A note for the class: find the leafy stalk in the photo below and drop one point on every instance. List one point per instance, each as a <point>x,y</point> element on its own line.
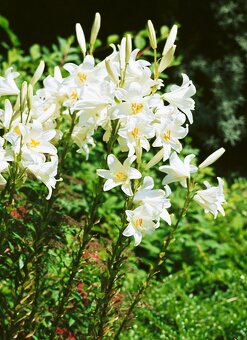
<point>162,258</point>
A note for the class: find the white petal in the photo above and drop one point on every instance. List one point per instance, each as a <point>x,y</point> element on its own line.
<point>134,173</point>
<point>104,173</point>
<point>126,187</point>
<point>109,184</point>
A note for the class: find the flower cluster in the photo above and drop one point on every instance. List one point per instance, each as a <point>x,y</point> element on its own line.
<point>125,98</point>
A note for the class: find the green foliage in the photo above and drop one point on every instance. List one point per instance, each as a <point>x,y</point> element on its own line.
<point>204,293</point>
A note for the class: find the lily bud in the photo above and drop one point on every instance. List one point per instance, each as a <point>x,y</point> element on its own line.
<point>212,158</point>
<point>94,31</point>
<point>30,96</point>
<point>110,71</point>
<point>155,160</point>
<point>167,59</point>
<point>38,73</point>
<point>122,53</point>
<point>23,94</point>
<point>81,38</point>
<point>152,35</point>
<point>128,47</point>
<point>170,40</point>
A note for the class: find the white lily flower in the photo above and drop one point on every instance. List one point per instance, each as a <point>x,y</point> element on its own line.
<point>139,222</point>
<point>178,170</point>
<point>168,133</point>
<point>46,173</point>
<point>138,71</point>
<point>119,174</point>
<point>211,199</point>
<point>8,86</point>
<point>179,96</point>
<point>82,137</point>
<point>154,200</point>
<point>133,105</point>
<point>136,133</point>
<point>84,74</point>
<point>36,140</point>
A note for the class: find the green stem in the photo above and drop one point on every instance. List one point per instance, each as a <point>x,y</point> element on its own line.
<point>64,295</point>
<point>36,257</point>
<point>113,267</point>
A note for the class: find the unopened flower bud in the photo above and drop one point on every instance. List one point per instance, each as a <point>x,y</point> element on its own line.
<point>110,71</point>
<point>152,35</point>
<point>23,96</point>
<point>122,53</point>
<point>30,96</point>
<point>81,38</point>
<point>155,160</point>
<point>38,73</point>
<point>128,47</point>
<point>167,59</point>
<point>94,31</point>
<point>170,40</point>
<point>212,158</point>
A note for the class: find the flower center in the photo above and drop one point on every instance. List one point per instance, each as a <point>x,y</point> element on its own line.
<point>82,76</point>
<point>135,132</point>
<point>136,108</point>
<point>121,176</point>
<point>138,222</point>
<point>34,143</point>
<point>74,95</point>
<point>167,136</point>
<point>17,130</point>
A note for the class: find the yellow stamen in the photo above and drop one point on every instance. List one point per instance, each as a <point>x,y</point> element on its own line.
<point>74,95</point>
<point>34,143</point>
<point>167,135</point>
<point>121,176</point>
<point>135,132</point>
<point>82,76</point>
<point>136,108</point>
<point>17,130</point>
<point>138,222</point>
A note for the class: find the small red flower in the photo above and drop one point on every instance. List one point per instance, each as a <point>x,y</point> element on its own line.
<point>15,214</point>
<point>60,330</point>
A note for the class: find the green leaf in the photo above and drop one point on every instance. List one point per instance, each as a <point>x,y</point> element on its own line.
<point>4,23</point>
<point>164,31</point>
<point>35,51</point>
<point>112,39</point>
<point>140,42</point>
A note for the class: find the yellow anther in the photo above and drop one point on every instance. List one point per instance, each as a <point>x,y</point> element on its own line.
<point>17,130</point>
<point>138,222</point>
<point>82,76</point>
<point>167,135</point>
<point>121,176</point>
<point>74,95</point>
<point>34,143</point>
<point>136,108</point>
<point>135,132</point>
